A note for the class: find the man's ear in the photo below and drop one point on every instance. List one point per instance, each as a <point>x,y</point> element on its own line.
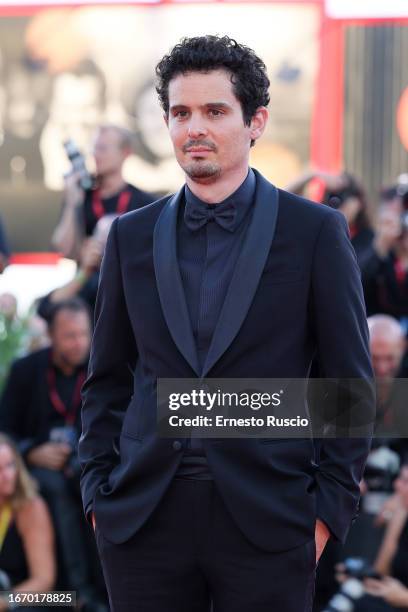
<point>258,122</point>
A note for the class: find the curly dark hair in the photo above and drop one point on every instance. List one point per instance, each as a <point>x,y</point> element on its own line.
<point>205,53</point>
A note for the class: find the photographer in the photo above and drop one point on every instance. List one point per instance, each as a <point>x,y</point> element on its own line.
<point>40,409</point>
<point>87,199</point>
<point>85,282</point>
<point>385,264</point>
<point>387,347</point>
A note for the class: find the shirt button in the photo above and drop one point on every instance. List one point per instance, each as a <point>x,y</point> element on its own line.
<point>177,445</point>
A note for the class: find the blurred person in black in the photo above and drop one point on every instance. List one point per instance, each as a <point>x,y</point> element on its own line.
<point>4,249</point>
<point>111,194</point>
<point>85,282</point>
<point>389,591</point>
<point>346,194</point>
<point>385,263</point>
<point>40,409</point>
<point>387,347</point>
<point>27,560</point>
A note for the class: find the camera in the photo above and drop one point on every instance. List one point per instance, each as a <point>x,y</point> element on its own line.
<point>77,160</point>
<point>381,469</point>
<point>356,567</point>
<point>352,589</point>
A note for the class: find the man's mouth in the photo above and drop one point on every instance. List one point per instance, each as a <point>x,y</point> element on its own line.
<point>198,148</point>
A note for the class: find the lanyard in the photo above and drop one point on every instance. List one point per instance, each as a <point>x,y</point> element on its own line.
<point>56,401</point>
<point>5,520</point>
<point>399,273</point>
<point>353,231</point>
<point>99,209</point>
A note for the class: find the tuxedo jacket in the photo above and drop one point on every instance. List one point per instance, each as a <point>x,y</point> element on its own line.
<point>295,294</point>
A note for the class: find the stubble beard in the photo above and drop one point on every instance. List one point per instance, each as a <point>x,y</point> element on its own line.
<point>202,171</point>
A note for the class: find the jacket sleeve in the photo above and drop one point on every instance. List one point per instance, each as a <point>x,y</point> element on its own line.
<point>14,405</point>
<point>109,386</point>
<point>343,354</point>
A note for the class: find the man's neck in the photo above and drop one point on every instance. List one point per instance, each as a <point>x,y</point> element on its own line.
<point>111,183</point>
<point>66,368</point>
<point>220,189</point>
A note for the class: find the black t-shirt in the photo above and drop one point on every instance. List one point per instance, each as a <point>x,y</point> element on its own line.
<point>400,560</point>
<point>12,555</point>
<point>135,198</point>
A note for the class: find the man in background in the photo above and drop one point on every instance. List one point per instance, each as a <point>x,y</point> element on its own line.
<point>110,194</point>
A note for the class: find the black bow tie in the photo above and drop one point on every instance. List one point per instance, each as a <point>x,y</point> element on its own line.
<point>196,215</point>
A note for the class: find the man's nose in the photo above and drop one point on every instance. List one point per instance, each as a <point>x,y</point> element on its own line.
<point>196,128</point>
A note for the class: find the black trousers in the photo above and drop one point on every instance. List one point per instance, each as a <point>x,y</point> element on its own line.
<point>190,556</point>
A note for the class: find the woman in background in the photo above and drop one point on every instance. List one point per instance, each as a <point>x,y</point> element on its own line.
<point>27,561</point>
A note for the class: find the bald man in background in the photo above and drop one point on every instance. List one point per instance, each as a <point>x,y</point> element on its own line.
<point>387,348</point>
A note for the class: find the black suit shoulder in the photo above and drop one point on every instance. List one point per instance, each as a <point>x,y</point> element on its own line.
<point>306,221</point>
<point>31,363</point>
<point>308,209</point>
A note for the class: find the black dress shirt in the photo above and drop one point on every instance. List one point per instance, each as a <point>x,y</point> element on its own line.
<point>207,258</point>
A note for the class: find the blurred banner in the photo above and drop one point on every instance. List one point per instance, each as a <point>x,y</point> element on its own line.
<point>366,9</point>
<point>65,70</point>
<point>57,3</point>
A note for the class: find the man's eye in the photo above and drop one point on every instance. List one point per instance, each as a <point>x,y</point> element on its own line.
<point>215,112</point>
<point>180,114</point>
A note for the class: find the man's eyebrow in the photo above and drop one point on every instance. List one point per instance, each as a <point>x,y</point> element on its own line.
<point>217,105</point>
<point>177,107</point>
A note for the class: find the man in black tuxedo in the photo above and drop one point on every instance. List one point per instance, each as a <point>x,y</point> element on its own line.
<point>229,278</point>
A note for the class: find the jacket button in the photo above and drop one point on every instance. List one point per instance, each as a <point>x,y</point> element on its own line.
<point>177,445</point>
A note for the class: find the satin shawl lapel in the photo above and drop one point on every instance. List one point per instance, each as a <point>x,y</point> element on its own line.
<point>169,283</point>
<point>248,270</point>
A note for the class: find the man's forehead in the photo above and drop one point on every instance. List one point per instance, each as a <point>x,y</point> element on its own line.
<point>383,344</point>
<point>66,316</point>
<point>197,82</point>
<point>107,135</point>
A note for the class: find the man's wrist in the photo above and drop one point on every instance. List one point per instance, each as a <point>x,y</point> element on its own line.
<point>323,528</point>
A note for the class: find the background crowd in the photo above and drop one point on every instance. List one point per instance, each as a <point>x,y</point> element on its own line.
<point>45,541</point>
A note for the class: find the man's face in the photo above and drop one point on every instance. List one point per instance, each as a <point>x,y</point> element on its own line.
<point>71,337</point>
<point>386,357</point>
<point>108,153</point>
<point>206,126</point>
